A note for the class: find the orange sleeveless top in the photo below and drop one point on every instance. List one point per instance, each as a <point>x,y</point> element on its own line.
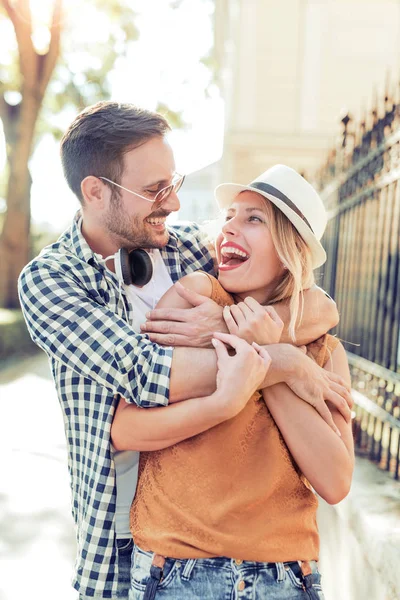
<point>231,491</point>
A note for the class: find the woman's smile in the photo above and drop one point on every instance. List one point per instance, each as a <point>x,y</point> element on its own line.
<point>232,256</point>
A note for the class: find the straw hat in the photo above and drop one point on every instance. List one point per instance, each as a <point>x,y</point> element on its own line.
<point>294,196</point>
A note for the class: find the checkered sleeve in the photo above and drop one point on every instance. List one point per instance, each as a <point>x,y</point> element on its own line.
<point>200,240</point>
<point>72,328</point>
<point>206,238</point>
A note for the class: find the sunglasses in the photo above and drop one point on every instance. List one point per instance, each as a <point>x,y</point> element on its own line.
<point>161,195</point>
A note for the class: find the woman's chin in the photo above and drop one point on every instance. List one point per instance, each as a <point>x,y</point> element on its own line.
<point>229,285</point>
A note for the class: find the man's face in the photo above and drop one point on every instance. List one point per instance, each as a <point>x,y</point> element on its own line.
<point>133,222</point>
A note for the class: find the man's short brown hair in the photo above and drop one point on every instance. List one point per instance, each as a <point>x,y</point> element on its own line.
<point>97,139</point>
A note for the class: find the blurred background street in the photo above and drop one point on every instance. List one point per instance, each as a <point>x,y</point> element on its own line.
<point>37,543</point>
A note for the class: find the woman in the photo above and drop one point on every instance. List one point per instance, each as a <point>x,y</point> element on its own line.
<point>231,513</point>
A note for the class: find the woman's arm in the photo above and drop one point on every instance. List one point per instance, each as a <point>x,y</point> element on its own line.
<point>326,459</point>
<point>197,282</point>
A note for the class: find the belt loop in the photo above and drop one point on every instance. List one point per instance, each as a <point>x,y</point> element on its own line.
<point>280,572</point>
<point>307,574</point>
<point>305,568</point>
<point>308,579</point>
<point>188,568</point>
<point>156,575</point>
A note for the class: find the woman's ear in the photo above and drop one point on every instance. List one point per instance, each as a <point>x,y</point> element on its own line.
<point>94,192</point>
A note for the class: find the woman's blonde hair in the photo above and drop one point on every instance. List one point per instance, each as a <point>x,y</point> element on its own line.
<point>295,257</point>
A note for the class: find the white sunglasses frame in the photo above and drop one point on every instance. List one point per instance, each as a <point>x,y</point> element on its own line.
<point>171,185</point>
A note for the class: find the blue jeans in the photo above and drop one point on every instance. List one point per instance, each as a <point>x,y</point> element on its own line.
<point>125,547</point>
<point>224,579</point>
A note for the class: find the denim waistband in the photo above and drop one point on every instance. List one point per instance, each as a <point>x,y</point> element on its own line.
<point>144,559</point>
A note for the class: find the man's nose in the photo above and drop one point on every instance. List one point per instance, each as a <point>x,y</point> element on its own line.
<point>172,202</point>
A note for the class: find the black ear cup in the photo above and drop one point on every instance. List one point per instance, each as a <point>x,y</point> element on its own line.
<point>123,256</point>
<point>141,267</point>
<point>136,266</point>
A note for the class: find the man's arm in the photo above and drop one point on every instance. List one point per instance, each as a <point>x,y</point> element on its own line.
<point>320,314</point>
<point>238,378</point>
<point>195,369</point>
<point>87,337</point>
<point>154,429</point>
<point>289,364</point>
<point>174,325</point>
<point>95,343</point>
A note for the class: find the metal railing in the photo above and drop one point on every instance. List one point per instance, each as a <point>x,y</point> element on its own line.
<point>360,185</point>
<point>376,426</point>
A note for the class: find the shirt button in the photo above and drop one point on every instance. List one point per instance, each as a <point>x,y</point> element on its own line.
<point>241,586</point>
<point>238,561</point>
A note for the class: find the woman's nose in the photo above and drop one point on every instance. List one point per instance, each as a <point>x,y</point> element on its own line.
<point>230,227</point>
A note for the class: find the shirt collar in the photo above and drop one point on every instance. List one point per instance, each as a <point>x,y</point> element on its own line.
<point>78,242</point>
<point>172,243</point>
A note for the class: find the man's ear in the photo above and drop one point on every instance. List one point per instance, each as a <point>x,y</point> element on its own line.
<point>94,192</point>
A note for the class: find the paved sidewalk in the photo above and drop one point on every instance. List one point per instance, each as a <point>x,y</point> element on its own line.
<point>37,538</point>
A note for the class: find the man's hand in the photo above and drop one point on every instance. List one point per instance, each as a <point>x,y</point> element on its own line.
<point>253,322</point>
<point>310,382</point>
<point>319,315</point>
<point>240,375</point>
<point>185,327</point>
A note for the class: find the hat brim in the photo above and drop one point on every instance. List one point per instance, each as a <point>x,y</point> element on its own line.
<point>225,193</point>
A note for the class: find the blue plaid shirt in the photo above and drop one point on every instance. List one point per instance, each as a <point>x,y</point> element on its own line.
<point>74,311</point>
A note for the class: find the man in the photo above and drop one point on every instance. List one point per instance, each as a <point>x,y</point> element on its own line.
<point>117,161</point>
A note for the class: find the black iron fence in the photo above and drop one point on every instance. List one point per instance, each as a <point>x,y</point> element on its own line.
<point>360,185</point>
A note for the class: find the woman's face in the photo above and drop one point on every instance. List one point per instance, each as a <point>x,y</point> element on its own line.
<point>248,262</point>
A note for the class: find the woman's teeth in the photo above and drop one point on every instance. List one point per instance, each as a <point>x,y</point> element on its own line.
<point>229,251</point>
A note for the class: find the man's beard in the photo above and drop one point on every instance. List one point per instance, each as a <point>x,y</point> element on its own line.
<point>129,232</point>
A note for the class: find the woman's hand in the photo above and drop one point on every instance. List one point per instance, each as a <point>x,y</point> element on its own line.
<point>240,375</point>
<point>253,322</point>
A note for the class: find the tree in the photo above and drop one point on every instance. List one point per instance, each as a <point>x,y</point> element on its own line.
<point>19,126</point>
<point>23,120</point>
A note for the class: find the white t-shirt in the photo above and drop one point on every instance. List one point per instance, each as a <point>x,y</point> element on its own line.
<point>127,463</point>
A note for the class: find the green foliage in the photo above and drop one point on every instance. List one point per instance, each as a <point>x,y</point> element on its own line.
<point>14,337</point>
<point>81,75</point>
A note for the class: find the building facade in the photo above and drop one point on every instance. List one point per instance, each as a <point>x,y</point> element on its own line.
<point>288,71</point>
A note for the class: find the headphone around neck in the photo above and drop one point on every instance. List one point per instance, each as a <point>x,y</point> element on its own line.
<point>133,267</point>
